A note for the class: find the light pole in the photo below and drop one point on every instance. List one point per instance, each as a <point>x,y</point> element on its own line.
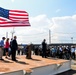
<point>12,32</point>
<point>6,34</point>
<point>49,36</point>
<point>72,39</point>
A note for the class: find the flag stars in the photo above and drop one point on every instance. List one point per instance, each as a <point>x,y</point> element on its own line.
<point>4,13</point>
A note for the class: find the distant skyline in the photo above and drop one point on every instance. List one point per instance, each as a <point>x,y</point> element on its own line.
<point>59,16</point>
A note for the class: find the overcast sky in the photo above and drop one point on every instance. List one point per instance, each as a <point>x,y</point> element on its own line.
<point>58,16</point>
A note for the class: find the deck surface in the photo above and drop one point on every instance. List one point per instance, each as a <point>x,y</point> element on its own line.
<point>26,64</point>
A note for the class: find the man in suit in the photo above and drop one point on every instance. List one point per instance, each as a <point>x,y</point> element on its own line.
<point>44,47</point>
<point>14,48</point>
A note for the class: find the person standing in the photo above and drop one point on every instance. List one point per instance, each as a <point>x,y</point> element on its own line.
<point>73,52</point>
<point>44,47</point>
<point>7,45</point>
<point>10,47</point>
<point>1,47</point>
<point>14,48</point>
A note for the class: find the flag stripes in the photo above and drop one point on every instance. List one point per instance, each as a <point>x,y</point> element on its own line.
<point>9,18</point>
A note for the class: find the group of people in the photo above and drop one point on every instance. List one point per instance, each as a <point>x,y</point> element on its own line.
<point>62,52</point>
<point>12,45</point>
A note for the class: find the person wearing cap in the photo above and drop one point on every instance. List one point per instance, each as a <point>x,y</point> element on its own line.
<point>1,47</point>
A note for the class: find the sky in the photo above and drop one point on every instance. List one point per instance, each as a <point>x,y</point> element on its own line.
<point>56,16</point>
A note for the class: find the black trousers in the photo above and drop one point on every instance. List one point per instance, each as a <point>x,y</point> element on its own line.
<point>44,54</point>
<point>13,54</point>
<point>73,55</point>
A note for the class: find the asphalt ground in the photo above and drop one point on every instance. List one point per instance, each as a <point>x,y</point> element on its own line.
<point>72,71</point>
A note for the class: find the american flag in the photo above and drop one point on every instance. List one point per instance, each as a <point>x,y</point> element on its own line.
<point>13,18</point>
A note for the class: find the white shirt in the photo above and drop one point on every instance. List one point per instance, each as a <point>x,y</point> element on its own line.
<point>60,49</point>
<point>72,50</point>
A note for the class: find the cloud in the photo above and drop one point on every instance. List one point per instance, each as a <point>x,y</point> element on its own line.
<point>58,10</point>
<point>38,30</point>
<point>34,33</point>
<point>62,29</point>
<point>12,0</point>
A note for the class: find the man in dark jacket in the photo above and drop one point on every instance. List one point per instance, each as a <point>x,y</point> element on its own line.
<point>44,47</point>
<point>14,48</point>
